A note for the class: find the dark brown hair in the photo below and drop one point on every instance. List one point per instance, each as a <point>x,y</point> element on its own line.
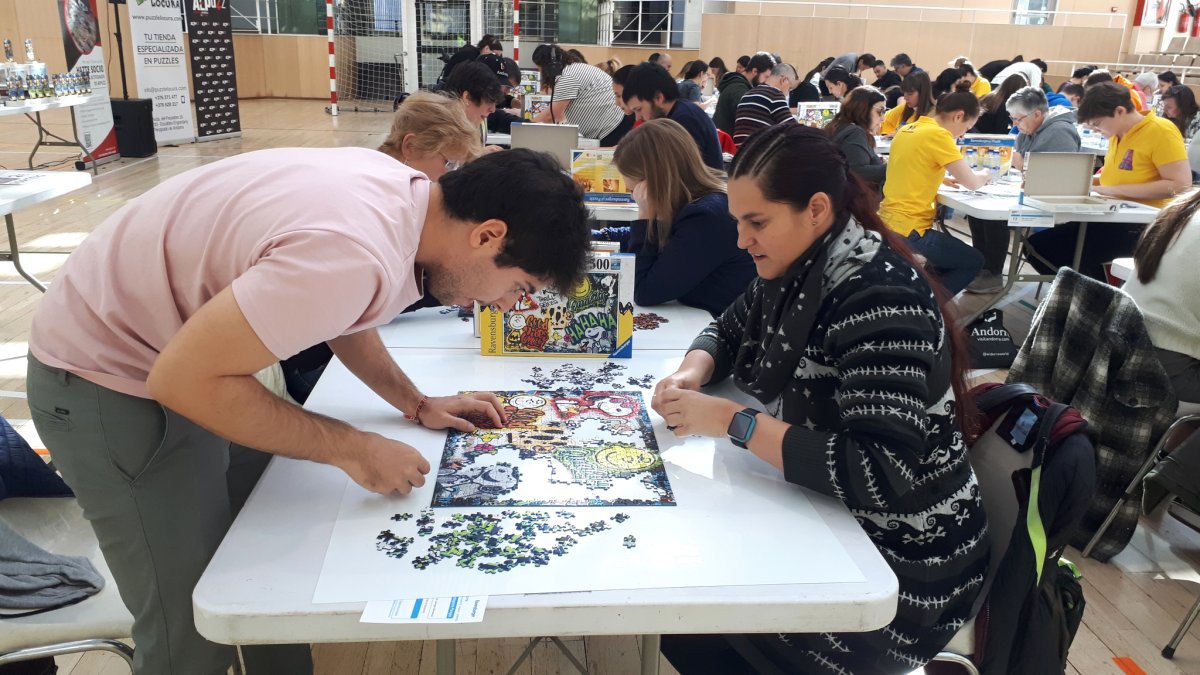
<point>918,82</point>
<point>1160,234</point>
<point>491,42</point>
<point>999,97</point>
<point>1102,100</point>
<point>856,110</point>
<point>791,163</point>
<point>1185,100</point>
<point>957,101</point>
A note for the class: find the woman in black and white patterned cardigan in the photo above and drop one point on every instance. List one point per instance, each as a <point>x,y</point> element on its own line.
<point>844,342</point>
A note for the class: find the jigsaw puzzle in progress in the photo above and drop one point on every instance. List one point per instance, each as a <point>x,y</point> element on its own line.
<point>560,448</point>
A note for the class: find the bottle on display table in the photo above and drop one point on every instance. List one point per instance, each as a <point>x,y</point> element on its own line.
<point>38,80</point>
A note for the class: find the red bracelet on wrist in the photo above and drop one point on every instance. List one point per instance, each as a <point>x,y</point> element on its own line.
<point>416,416</point>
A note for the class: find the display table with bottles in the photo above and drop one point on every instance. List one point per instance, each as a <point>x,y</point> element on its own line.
<point>29,89</point>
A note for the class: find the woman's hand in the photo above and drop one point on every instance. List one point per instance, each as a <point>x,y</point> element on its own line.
<point>690,413</point>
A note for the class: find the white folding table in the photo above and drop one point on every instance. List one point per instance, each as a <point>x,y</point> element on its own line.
<point>33,109</point>
<point>23,189</point>
<point>996,202</point>
<point>258,588</point>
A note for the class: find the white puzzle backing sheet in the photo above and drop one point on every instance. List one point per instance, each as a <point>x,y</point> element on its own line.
<point>735,521</point>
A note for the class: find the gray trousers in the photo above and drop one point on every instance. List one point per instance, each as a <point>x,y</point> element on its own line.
<point>160,493</point>
<point>1184,372</point>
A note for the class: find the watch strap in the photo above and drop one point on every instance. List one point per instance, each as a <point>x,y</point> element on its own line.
<point>744,440</point>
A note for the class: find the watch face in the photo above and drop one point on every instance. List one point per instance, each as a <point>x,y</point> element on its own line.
<point>740,425</point>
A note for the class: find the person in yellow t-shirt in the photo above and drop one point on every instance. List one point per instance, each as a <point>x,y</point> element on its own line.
<point>979,86</point>
<point>921,154</point>
<point>1146,162</point>
<point>917,90</point>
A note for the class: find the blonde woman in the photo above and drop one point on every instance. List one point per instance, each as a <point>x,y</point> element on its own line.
<point>610,66</point>
<point>685,240</point>
<point>431,134</point>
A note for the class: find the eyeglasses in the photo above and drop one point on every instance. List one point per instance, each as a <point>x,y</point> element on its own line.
<point>451,164</point>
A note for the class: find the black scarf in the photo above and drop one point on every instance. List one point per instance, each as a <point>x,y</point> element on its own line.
<point>779,320</point>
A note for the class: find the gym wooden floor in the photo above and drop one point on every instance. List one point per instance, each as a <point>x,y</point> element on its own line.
<point>1134,604</point>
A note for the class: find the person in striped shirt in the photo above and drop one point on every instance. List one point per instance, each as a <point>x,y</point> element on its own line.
<point>765,105</point>
<point>581,94</point>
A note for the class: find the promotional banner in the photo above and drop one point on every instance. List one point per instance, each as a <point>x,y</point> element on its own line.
<point>158,60</point>
<point>81,40</point>
<point>211,39</point>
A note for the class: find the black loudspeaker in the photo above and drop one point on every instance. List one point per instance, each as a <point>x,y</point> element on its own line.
<point>133,120</point>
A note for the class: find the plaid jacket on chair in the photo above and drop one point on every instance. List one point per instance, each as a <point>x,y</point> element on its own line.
<point>1088,347</point>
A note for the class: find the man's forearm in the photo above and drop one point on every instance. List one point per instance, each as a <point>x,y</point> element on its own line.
<point>239,409</point>
<point>366,357</point>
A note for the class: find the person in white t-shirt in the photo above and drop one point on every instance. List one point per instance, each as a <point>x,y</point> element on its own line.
<point>1031,70</point>
<point>1166,288</point>
<point>142,353</point>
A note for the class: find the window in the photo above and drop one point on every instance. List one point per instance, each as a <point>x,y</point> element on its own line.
<point>1034,12</point>
<point>539,20</point>
<point>641,22</point>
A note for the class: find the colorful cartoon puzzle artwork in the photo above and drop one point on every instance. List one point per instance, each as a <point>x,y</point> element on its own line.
<point>594,319</point>
<point>817,115</point>
<point>566,448</point>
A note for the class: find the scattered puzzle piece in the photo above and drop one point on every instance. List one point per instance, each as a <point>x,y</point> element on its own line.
<point>630,541</point>
<point>391,545</point>
<point>648,321</point>
<point>494,543</point>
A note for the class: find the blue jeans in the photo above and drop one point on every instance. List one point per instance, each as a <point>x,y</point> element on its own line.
<point>954,263</point>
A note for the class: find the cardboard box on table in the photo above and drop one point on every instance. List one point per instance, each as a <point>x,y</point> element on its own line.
<point>1061,182</point>
<point>992,152</point>
<point>593,320</point>
<point>602,183</point>
<point>817,115</point>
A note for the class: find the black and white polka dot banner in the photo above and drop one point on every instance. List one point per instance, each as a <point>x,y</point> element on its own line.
<point>214,81</point>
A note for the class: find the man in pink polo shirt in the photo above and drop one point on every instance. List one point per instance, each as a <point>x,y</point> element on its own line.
<point>143,351</point>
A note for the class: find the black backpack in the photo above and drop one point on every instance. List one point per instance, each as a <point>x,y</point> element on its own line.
<point>1032,602</point>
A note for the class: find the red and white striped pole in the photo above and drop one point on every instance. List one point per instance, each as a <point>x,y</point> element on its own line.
<point>332,63</point>
<point>517,30</point>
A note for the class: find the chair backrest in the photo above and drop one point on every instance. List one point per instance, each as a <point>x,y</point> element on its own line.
<point>1088,347</point>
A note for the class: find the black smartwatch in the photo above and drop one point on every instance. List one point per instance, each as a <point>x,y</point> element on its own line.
<point>742,427</point>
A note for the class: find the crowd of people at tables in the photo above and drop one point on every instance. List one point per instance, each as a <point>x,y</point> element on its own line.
<point>808,231</point>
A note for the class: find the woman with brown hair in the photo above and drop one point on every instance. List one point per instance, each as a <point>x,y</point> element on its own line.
<point>1179,106</point>
<point>845,344</point>
<point>917,91</point>
<point>1167,290</point>
<point>854,129</point>
<point>994,117</point>
<point>685,240</point>
<point>430,133</point>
